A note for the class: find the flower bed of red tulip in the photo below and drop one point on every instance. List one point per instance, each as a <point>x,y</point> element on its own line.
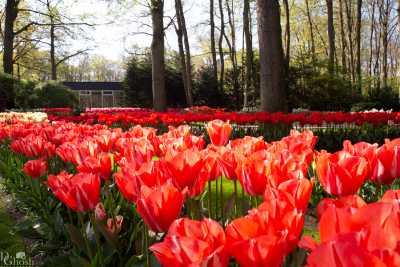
<point>143,117</point>
<point>137,197</point>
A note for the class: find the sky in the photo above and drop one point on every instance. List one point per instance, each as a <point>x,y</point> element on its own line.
<point>120,27</point>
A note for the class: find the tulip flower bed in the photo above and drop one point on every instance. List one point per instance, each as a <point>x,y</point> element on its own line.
<point>101,196</point>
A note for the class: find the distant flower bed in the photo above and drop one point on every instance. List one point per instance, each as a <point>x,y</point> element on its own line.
<point>12,117</point>
<point>134,116</point>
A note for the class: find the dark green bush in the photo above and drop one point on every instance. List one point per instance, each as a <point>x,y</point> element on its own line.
<point>7,88</point>
<point>55,95</point>
<point>312,87</point>
<point>138,84</point>
<point>25,95</point>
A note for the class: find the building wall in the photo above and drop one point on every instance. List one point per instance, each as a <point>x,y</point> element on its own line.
<point>100,98</point>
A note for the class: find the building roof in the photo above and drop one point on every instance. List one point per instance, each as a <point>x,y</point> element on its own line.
<point>111,86</point>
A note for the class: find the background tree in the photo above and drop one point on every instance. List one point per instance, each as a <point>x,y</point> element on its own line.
<point>272,66</point>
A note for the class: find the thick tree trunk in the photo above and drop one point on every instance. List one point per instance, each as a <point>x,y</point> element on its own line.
<point>384,14</point>
<point>371,38</point>
<point>220,47</point>
<point>182,59</point>
<point>331,36</point>
<point>212,40</point>
<point>272,65</point>
<point>11,13</point>
<point>311,27</point>
<point>157,56</point>
<point>358,41</point>
<point>249,53</point>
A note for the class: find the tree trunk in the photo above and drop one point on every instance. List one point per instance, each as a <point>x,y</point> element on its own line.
<point>182,59</point>
<point>287,32</point>
<point>349,16</point>
<point>220,47</point>
<point>310,24</point>
<point>385,11</point>
<point>186,61</point>
<point>157,56</point>
<point>249,53</point>
<point>11,13</point>
<point>272,65</point>
<point>53,52</point>
<point>358,41</point>
<point>331,34</point>
<point>212,40</point>
<point>371,36</point>
<point>232,51</point>
<point>342,37</point>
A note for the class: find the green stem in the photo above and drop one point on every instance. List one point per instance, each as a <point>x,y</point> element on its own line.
<point>85,237</point>
<point>216,199</point>
<point>236,198</point>
<point>97,237</point>
<point>222,199</point>
<point>209,199</point>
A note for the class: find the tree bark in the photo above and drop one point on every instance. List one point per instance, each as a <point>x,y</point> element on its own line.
<point>53,53</point>
<point>310,24</point>
<point>11,13</point>
<point>157,56</point>
<point>187,63</point>
<point>342,37</point>
<point>358,41</point>
<point>272,65</point>
<point>212,40</point>
<point>331,35</point>
<point>348,6</point>
<point>287,32</point>
<point>232,51</point>
<point>384,15</point>
<point>220,47</point>
<point>249,53</point>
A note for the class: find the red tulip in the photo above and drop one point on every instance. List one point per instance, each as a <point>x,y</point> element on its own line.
<point>101,165</point>
<point>343,251</point>
<point>341,173</point>
<point>387,166</point>
<point>130,180</point>
<point>295,191</point>
<point>353,202</point>
<point>219,132</point>
<point>186,170</point>
<point>80,192</point>
<point>35,168</point>
<point>266,235</point>
<point>193,243</point>
<point>160,206</point>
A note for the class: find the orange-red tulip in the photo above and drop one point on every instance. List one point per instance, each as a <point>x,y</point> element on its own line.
<point>80,192</point>
<point>159,206</point>
<point>341,173</point>
<point>219,132</point>
<point>193,243</point>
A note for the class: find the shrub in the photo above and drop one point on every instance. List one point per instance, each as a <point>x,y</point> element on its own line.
<point>7,88</point>
<point>25,95</point>
<point>55,95</point>
<point>138,84</point>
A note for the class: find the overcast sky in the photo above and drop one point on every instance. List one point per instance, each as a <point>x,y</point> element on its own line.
<point>120,27</point>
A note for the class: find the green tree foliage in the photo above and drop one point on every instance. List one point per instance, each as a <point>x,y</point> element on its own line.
<point>138,84</point>
<point>55,95</point>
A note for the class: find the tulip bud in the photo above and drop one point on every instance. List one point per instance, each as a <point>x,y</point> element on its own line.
<point>114,226</point>
<point>100,212</point>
